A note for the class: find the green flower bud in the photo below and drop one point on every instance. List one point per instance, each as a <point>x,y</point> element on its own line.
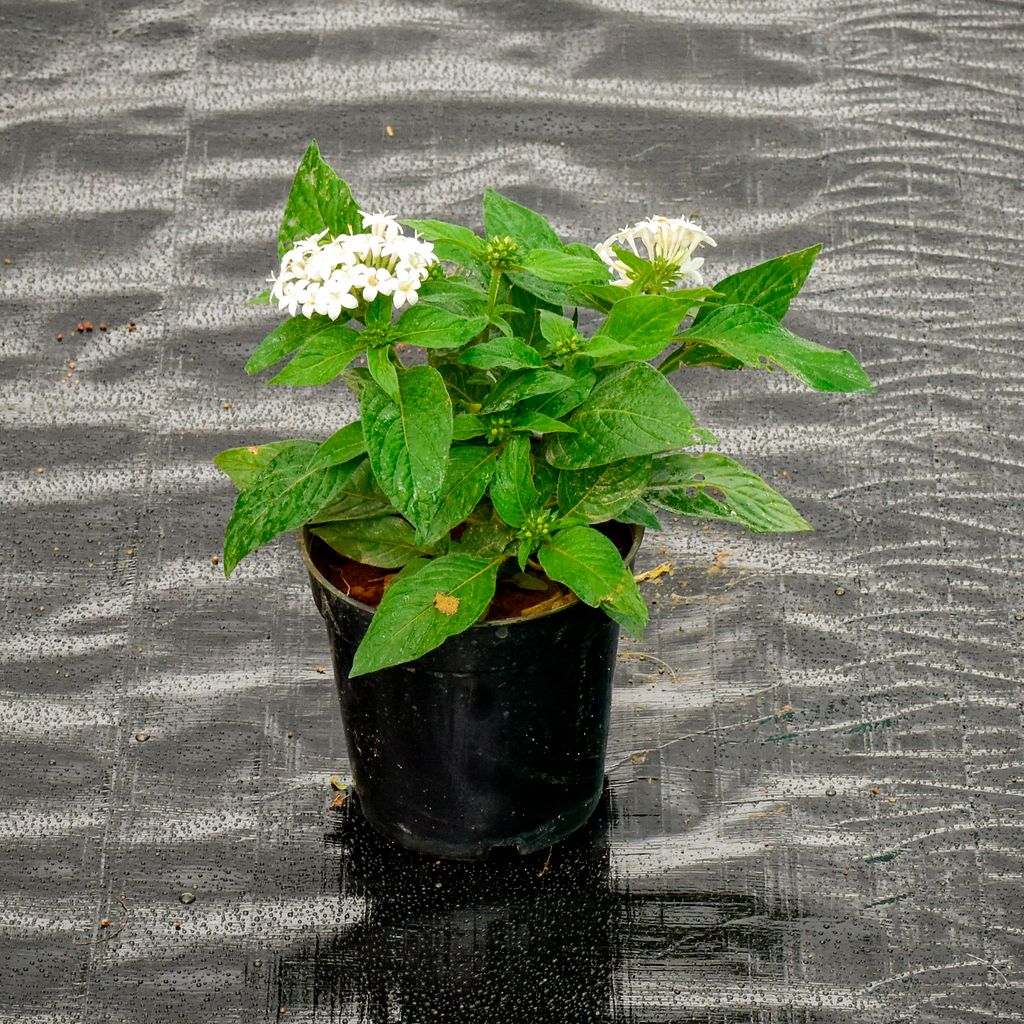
<point>498,428</point>
<point>502,253</point>
<point>377,337</point>
<point>537,526</point>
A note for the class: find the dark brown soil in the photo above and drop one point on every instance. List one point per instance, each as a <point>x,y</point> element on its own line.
<point>367,583</point>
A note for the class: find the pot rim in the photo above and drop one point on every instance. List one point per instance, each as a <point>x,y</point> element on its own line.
<point>325,584</point>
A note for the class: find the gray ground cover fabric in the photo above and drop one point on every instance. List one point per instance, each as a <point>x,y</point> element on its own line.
<point>815,770</point>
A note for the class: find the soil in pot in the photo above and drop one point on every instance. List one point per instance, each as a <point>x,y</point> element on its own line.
<point>367,583</point>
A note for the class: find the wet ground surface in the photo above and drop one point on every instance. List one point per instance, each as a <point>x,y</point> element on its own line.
<point>815,769</point>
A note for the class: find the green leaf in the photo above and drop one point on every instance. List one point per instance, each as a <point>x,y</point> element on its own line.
<point>644,323</point>
<point>584,252</point>
<point>524,581</point>
<point>518,385</point>
<point>635,262</point>
<point>755,339</point>
<point>526,548</point>
<point>263,299</point>
<point>470,469</point>
<point>453,234</point>
<point>288,336</point>
<point>632,410</point>
<point>379,311</point>
<point>288,493</point>
<point>545,478</point>
<point>466,426</point>
<point>408,440</point>
<point>243,465</point>
<point>467,387</point>
<point>432,327</point>
<point>560,403</point>
<point>691,297</point>
<point>356,378</point>
<point>695,353</point>
<point>459,297</point>
<point>606,351</point>
<point>641,514</point>
<point>713,486</point>
<point>525,324</point>
<point>318,200</point>
<point>527,229</point>
<point>342,446</point>
<point>770,286</point>
<point>551,294</point>
<point>558,330</point>
<point>601,493</point>
<point>468,265</point>
<point>538,423</point>
<point>512,489</point>
<point>420,611</point>
<point>603,296</point>
<point>321,358</point>
<point>561,268</point>
<point>359,497</point>
<point>383,370</point>
<point>486,539</point>
<point>501,325</point>
<point>507,353</point>
<point>387,542</point>
<point>590,565</point>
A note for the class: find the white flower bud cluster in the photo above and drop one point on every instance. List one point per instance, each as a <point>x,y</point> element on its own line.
<point>669,242</point>
<point>325,276</point>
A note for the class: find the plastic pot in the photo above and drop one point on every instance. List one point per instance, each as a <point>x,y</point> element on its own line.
<point>496,738</point>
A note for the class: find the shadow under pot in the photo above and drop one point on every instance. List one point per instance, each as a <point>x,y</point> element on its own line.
<point>496,738</point>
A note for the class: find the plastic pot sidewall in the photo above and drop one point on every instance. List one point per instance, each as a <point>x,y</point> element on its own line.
<point>495,738</point>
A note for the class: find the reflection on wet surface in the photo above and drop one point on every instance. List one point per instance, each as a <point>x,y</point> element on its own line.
<point>509,938</point>
<point>544,938</point>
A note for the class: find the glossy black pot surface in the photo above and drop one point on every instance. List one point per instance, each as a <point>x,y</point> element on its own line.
<point>496,738</point>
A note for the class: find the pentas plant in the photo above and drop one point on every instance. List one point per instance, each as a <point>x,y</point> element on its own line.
<point>495,436</point>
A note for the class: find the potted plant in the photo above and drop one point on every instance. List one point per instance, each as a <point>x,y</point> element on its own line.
<point>470,537</point>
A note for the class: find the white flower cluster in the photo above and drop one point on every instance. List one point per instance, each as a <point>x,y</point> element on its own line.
<point>668,241</point>
<point>325,276</point>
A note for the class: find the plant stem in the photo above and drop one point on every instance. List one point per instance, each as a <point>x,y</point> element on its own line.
<point>492,292</point>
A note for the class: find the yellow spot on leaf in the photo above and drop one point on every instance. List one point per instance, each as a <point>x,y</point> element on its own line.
<point>446,604</point>
<point>254,449</point>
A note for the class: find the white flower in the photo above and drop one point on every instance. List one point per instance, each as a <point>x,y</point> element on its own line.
<point>294,261</point>
<point>381,224</point>
<point>420,260</point>
<point>604,250</point>
<point>323,276</point>
<point>412,255</point>
<point>335,295</point>
<point>312,291</point>
<point>377,281</point>
<point>407,284</point>
<point>363,248</point>
<point>293,295</point>
<point>336,254</point>
<point>322,263</point>
<point>668,242</point>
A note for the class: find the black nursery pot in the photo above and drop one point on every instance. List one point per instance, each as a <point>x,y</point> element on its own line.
<point>495,738</point>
